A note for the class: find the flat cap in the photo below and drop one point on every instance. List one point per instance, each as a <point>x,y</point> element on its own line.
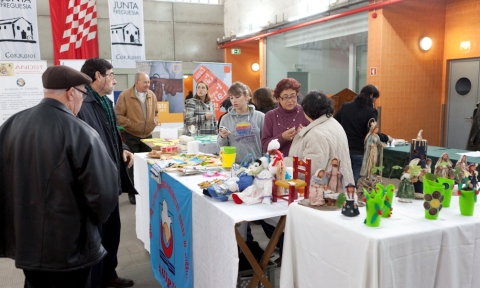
<point>63,77</point>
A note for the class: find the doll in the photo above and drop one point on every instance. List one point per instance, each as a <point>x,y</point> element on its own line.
<point>261,189</point>
<point>444,167</point>
<point>276,165</point>
<point>317,187</point>
<point>335,176</point>
<point>471,174</point>
<point>462,166</point>
<point>373,155</point>
<point>406,191</point>
<point>350,207</point>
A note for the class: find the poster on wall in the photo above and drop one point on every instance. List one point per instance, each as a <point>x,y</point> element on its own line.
<point>166,81</point>
<point>19,30</point>
<point>77,65</point>
<point>20,86</point>
<point>126,32</point>
<point>218,77</point>
<point>170,231</point>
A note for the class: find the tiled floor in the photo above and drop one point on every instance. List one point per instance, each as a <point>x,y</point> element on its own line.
<point>133,259</point>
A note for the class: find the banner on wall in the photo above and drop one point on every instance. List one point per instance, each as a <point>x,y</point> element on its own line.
<point>74,29</point>
<point>20,86</point>
<point>170,231</point>
<point>126,32</point>
<point>218,77</point>
<point>166,81</point>
<point>19,30</point>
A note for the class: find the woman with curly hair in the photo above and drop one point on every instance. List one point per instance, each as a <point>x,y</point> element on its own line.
<point>324,138</point>
<point>284,122</point>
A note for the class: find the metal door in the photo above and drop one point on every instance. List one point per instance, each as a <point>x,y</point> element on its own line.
<point>462,98</point>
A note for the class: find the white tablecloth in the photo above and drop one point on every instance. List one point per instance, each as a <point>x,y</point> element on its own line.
<point>215,255</point>
<point>327,249</point>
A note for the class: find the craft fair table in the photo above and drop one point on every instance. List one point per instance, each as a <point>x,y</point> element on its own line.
<point>215,253</point>
<point>400,156</point>
<point>328,249</point>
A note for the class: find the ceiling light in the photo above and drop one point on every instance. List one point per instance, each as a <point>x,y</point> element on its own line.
<point>425,43</point>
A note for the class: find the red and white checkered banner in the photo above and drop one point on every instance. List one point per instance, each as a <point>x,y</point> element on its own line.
<point>74,29</point>
<point>18,31</point>
<point>126,32</point>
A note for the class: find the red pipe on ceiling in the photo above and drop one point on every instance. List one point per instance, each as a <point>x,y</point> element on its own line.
<point>312,22</point>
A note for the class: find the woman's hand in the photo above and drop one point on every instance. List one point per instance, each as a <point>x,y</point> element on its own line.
<point>223,133</point>
<point>208,116</point>
<point>289,134</point>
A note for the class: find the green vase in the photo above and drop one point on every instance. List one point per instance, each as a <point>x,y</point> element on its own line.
<point>467,202</point>
<point>448,186</point>
<point>387,203</point>
<point>374,207</point>
<point>433,197</point>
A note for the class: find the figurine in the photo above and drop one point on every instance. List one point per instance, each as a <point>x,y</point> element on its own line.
<point>373,154</point>
<point>471,174</point>
<point>444,167</point>
<point>350,207</point>
<point>335,176</point>
<point>428,166</point>
<point>461,166</point>
<point>261,189</point>
<point>406,191</point>
<point>317,188</point>
<point>276,166</point>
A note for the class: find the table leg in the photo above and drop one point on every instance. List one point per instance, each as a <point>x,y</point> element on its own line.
<point>268,253</point>
<point>257,270</point>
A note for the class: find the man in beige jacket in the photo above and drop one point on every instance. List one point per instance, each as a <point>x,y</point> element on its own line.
<point>137,112</point>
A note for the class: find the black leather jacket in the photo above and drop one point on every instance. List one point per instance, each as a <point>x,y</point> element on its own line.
<point>56,184</point>
<point>95,115</point>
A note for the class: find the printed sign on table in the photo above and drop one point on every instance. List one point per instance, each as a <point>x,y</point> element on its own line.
<point>170,231</point>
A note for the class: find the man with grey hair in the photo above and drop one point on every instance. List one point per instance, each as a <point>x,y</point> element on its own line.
<point>57,183</point>
<point>137,112</point>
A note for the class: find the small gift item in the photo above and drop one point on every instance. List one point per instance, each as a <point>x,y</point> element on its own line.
<point>448,185</point>
<point>467,190</point>
<point>389,193</point>
<point>261,189</point>
<point>374,204</point>
<point>350,207</point>
<point>411,174</point>
<point>276,165</point>
<point>317,188</point>
<point>418,150</point>
<point>433,196</point>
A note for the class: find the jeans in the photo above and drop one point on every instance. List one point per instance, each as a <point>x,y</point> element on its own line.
<point>356,166</point>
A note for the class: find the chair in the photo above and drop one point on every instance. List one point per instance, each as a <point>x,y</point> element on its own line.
<point>299,166</point>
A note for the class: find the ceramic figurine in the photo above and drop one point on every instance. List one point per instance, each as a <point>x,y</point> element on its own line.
<point>350,207</point>
<point>461,166</point>
<point>406,190</point>
<point>444,167</point>
<point>472,176</point>
<point>317,188</point>
<point>373,155</point>
<point>261,189</point>
<point>428,166</point>
<point>335,176</point>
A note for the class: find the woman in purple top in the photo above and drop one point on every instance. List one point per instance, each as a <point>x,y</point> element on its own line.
<point>284,122</point>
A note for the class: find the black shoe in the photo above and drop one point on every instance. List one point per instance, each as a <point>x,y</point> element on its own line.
<point>131,197</point>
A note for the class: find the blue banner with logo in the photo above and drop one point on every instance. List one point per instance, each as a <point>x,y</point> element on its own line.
<point>170,231</point>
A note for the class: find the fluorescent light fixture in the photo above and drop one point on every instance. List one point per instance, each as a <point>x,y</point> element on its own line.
<point>295,18</point>
<point>425,43</point>
<point>248,32</point>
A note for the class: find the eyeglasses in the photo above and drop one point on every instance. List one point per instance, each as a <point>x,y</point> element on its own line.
<point>291,97</point>
<point>111,75</point>
<point>84,93</point>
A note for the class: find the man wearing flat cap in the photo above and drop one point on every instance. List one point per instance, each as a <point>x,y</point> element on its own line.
<point>57,184</point>
<point>97,111</point>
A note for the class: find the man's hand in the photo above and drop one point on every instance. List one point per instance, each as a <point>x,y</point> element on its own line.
<point>128,157</point>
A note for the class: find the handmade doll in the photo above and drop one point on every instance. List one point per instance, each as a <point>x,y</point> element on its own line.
<point>350,207</point>
<point>335,176</point>
<point>406,191</point>
<point>276,166</point>
<point>428,166</point>
<point>472,176</point>
<point>373,155</point>
<point>261,189</point>
<point>444,167</point>
<point>462,166</point>
<point>317,188</point>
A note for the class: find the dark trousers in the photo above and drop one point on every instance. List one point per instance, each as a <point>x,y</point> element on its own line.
<point>269,229</point>
<point>110,234</point>
<point>356,166</point>
<point>74,279</point>
<point>136,146</point>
